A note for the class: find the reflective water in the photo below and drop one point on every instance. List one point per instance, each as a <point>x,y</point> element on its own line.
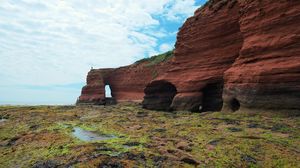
<point>2,120</point>
<point>90,136</point>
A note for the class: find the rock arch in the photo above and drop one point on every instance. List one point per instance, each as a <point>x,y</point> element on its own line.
<point>159,95</point>
<point>109,95</point>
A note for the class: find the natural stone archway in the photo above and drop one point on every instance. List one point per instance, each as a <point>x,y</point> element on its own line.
<point>109,95</point>
<point>159,95</point>
<point>212,97</point>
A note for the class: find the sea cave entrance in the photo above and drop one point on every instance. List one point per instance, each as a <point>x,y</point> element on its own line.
<point>159,95</point>
<point>212,97</point>
<point>234,105</point>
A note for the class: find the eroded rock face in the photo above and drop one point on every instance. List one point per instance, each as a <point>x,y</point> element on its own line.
<point>126,83</point>
<point>94,91</point>
<point>207,45</point>
<point>249,47</point>
<point>267,71</point>
<point>159,95</point>
<point>231,54</point>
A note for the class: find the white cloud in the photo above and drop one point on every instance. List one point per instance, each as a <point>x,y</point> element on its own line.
<point>165,47</point>
<point>56,42</point>
<point>179,9</point>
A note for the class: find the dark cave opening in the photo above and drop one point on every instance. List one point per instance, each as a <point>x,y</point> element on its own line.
<point>234,104</point>
<point>212,97</point>
<point>159,95</point>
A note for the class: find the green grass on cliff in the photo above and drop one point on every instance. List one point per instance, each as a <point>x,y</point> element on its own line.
<point>154,60</point>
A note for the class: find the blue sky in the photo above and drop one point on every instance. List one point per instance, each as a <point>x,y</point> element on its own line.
<point>47,47</point>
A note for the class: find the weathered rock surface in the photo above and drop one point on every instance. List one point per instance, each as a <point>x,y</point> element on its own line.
<point>250,47</point>
<point>207,45</point>
<point>267,71</point>
<point>231,54</point>
<point>126,83</point>
<point>159,95</point>
<point>94,91</point>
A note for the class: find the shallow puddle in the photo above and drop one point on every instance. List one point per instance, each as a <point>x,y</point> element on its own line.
<point>2,120</point>
<point>90,136</point>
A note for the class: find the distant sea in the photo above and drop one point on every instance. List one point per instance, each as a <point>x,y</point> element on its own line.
<point>35,103</point>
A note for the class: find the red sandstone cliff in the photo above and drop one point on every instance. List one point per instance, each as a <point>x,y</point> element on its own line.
<point>207,45</point>
<point>267,71</point>
<point>230,54</point>
<point>127,83</point>
<point>252,48</point>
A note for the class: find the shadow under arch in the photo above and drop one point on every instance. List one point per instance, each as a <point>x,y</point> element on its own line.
<point>159,95</point>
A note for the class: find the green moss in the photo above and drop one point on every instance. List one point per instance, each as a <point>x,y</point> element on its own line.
<point>52,138</point>
<point>154,74</point>
<point>154,60</point>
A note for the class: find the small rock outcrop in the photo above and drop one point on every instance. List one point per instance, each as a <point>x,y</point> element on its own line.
<point>231,55</point>
<point>94,91</point>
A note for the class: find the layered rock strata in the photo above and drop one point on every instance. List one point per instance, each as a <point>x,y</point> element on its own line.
<point>126,83</point>
<point>231,54</point>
